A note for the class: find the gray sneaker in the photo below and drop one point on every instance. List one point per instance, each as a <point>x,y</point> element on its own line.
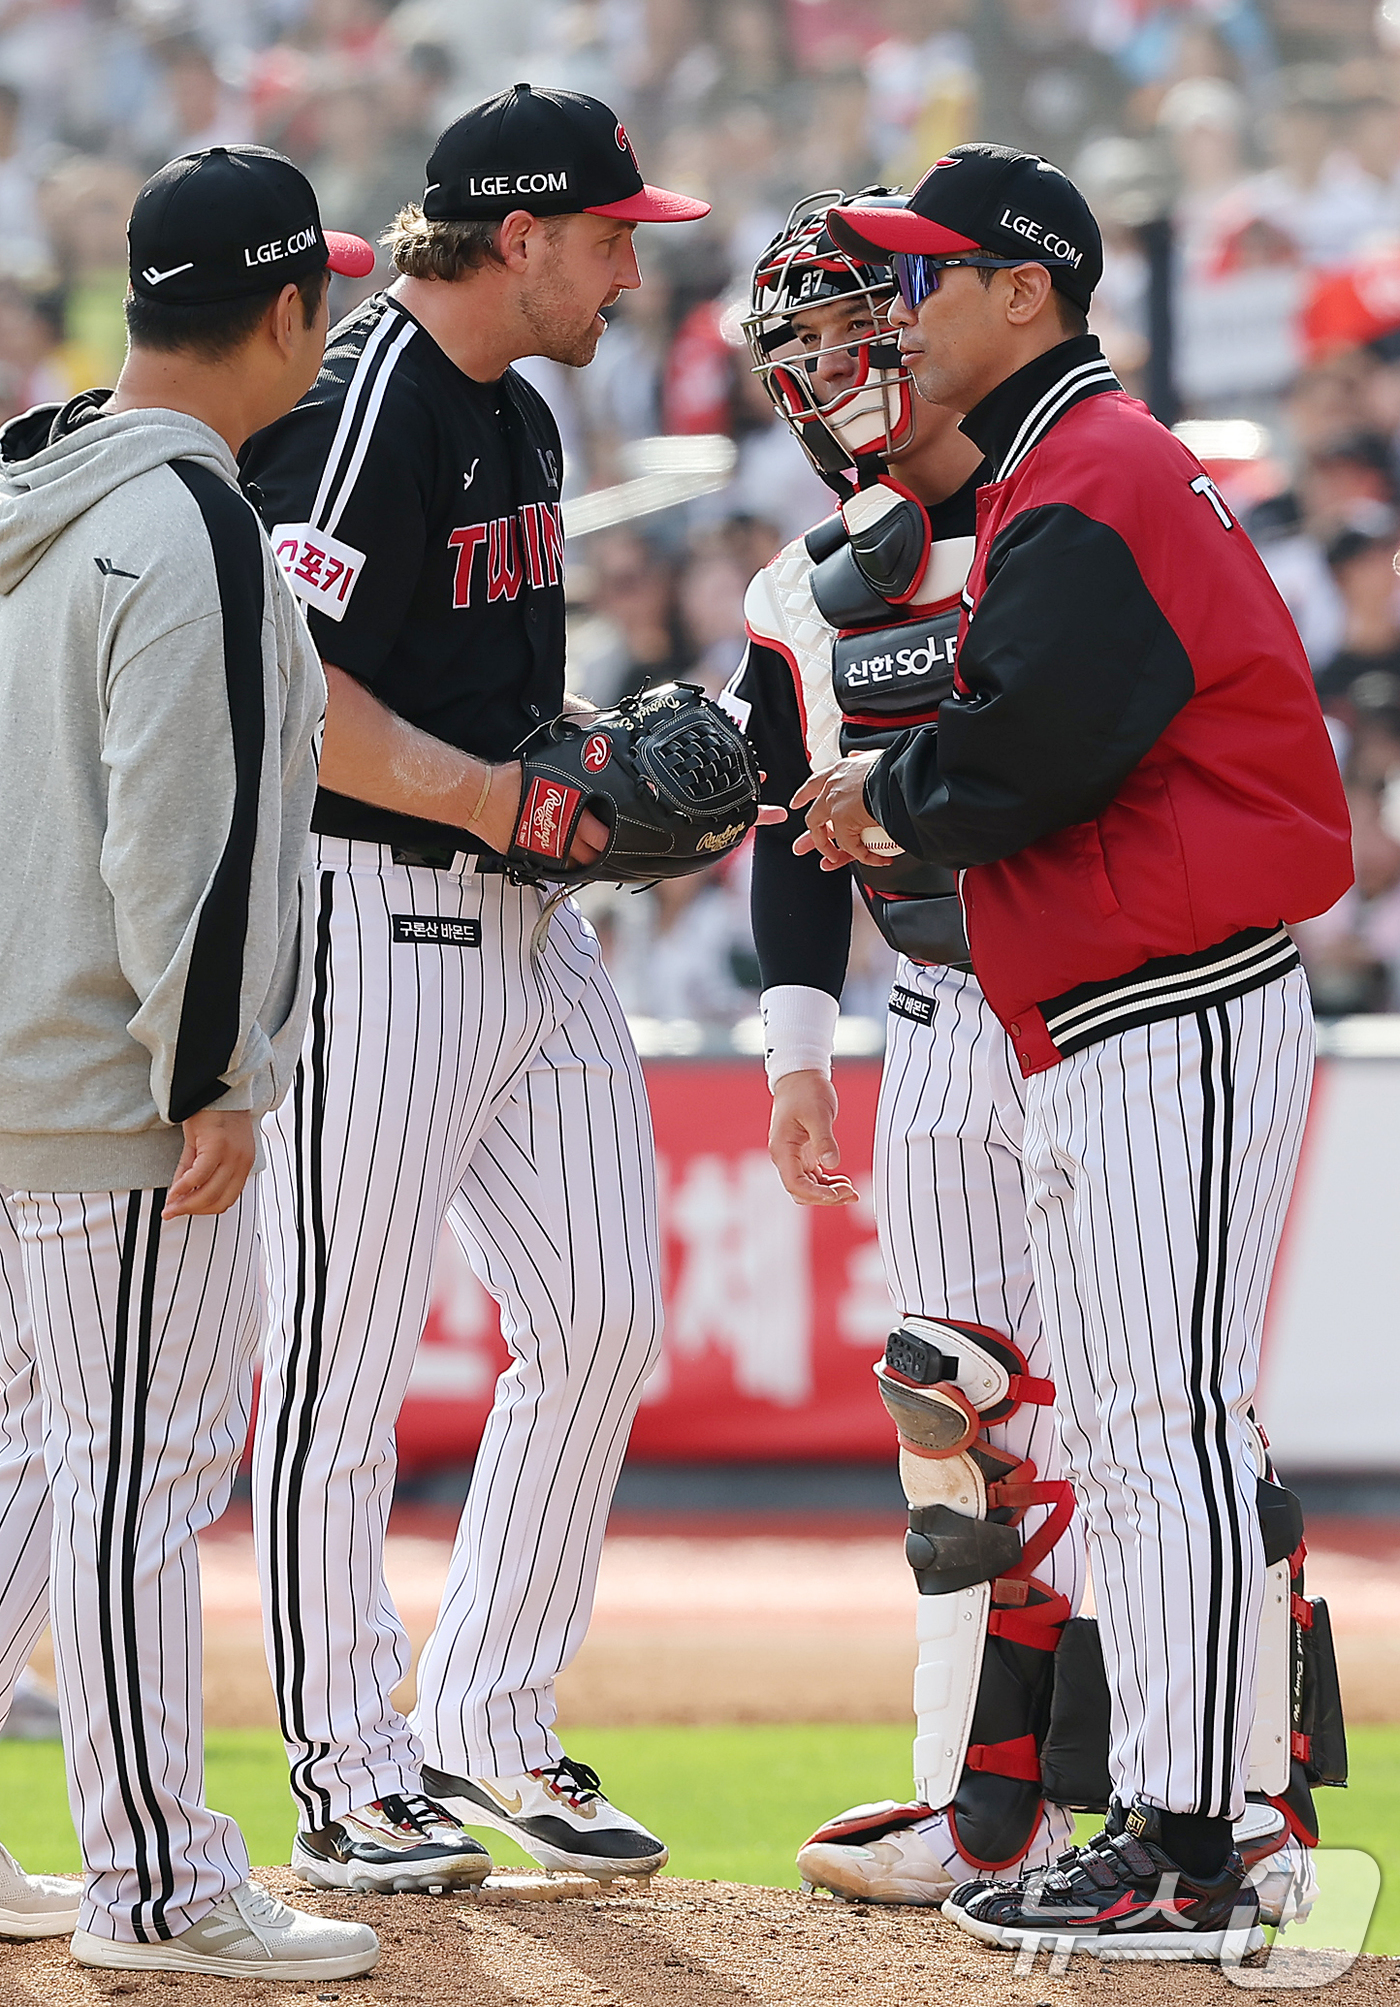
<point>247,1935</point>
<point>36,1905</point>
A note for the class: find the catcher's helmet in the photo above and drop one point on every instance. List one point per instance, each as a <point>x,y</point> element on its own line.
<point>803,267</point>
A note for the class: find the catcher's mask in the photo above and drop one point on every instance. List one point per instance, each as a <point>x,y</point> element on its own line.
<point>873,416</point>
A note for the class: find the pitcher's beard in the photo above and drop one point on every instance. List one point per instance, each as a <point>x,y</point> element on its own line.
<point>548,311</point>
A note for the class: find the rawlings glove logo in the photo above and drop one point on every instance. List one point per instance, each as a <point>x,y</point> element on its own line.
<point>720,839</point>
<point>545,818</point>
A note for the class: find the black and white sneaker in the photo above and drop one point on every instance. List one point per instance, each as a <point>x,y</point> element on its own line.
<point>558,1815</point>
<point>396,1846</point>
<point>1122,1896</point>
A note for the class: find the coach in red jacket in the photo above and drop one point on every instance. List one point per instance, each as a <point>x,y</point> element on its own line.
<point>1134,778</point>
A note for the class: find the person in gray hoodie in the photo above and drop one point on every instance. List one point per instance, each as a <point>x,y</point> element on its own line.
<point>160,705</point>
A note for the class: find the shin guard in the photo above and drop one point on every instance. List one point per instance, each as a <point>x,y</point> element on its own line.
<point>1299,1738</point>
<point>987,1628</point>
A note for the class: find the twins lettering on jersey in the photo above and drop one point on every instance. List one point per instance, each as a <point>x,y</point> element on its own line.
<point>320,568</point>
<point>1203,485</point>
<point>525,547</point>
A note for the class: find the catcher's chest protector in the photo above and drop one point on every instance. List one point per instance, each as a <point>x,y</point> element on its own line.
<point>866,608</point>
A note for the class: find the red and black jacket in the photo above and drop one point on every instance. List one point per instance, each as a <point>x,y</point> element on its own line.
<point>1132,771</point>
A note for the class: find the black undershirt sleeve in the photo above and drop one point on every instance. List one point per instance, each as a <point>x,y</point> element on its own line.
<point>801,914</point>
<point>1069,673</point>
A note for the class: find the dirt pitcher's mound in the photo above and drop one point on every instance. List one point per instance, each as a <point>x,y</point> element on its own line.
<point>695,1944</point>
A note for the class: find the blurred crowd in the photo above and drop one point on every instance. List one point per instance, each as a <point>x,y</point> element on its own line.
<point>1243,157</point>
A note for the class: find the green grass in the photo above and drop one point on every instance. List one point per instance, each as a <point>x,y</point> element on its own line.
<point>733,1804</point>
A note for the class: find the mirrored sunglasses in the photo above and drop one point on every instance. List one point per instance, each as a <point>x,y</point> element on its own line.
<point>916,272</point>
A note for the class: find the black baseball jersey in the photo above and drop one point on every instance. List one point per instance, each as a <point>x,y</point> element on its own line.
<point>416,513</point>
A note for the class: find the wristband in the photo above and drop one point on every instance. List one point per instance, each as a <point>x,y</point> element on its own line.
<point>799,1025</point>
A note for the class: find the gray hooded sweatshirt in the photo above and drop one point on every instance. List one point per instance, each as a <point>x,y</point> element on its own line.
<point>160,702</point>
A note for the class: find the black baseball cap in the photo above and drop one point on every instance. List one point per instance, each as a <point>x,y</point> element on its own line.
<point>986,198</point>
<point>550,152</point>
<point>229,221</point>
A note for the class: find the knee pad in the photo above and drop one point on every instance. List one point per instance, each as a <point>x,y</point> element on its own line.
<point>943,1385</point>
<point>987,1628</point>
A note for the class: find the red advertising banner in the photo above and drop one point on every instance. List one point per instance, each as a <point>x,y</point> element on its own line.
<point>775,1313</point>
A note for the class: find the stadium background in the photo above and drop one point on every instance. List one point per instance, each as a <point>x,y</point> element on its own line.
<point>1244,159</point>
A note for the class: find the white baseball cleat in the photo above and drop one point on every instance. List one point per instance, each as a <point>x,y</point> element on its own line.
<point>395,1846</point>
<point>905,1854</point>
<point>36,1905</point>
<point>1286,1884</point>
<point>558,1814</point>
<point>248,1934</point>
<point>1280,1867</point>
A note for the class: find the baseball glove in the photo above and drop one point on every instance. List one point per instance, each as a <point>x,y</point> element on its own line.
<point>668,773</point>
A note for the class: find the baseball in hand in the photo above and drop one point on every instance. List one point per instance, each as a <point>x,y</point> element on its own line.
<point>880,841</point>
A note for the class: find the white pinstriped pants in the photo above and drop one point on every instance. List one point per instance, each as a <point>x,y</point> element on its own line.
<point>26,1520</point>
<point>451,1077</point>
<point>951,1210</point>
<point>126,1348</point>
<point>1159,1166</point>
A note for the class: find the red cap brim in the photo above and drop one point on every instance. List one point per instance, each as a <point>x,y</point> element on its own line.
<point>876,234</point>
<point>653,205</point>
<point>351,256</point>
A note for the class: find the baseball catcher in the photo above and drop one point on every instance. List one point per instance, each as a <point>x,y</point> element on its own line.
<point>852,637</point>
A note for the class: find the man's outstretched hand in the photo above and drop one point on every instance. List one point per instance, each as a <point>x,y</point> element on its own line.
<point>837,815</point>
